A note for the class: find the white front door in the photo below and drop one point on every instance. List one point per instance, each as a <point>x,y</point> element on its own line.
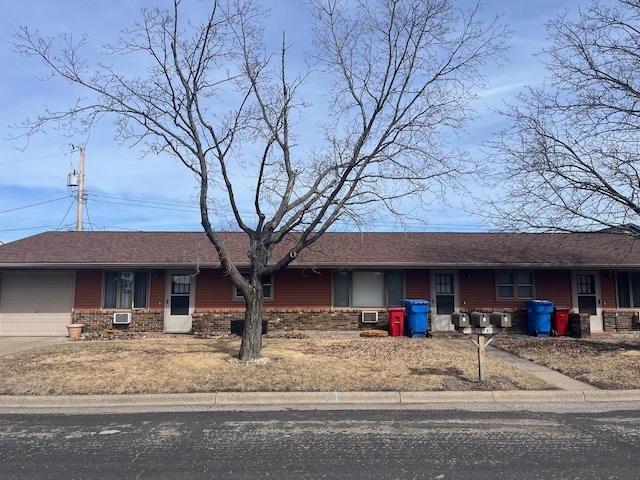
<point>180,302</point>
<point>586,297</point>
<point>444,300</point>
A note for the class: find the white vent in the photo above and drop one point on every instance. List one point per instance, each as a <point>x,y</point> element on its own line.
<point>122,318</point>
<point>369,317</point>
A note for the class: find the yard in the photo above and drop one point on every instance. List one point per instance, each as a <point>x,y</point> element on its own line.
<point>187,364</point>
<point>607,362</point>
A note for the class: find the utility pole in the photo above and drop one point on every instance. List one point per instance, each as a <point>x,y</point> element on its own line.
<point>80,190</point>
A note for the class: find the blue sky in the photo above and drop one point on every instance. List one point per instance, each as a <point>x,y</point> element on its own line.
<point>126,192</point>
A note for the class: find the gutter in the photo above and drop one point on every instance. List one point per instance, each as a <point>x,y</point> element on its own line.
<point>311,265</point>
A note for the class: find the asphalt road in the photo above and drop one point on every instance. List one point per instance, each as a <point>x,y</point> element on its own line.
<point>439,444</point>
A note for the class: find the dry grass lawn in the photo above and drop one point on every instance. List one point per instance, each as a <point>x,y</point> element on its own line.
<point>609,363</point>
<point>181,365</point>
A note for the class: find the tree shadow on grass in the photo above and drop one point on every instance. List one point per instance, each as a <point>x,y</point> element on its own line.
<point>443,371</point>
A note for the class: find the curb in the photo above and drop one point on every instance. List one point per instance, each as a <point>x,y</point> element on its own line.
<point>222,400</point>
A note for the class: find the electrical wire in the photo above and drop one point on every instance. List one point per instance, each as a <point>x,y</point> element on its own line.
<point>33,205</point>
<point>66,213</point>
<point>32,158</point>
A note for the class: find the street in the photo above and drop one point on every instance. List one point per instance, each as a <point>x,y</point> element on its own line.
<point>322,444</point>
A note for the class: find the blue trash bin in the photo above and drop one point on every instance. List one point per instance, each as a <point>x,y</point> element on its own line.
<point>539,317</point>
<point>417,317</point>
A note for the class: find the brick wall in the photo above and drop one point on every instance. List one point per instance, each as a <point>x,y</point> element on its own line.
<point>579,325</point>
<point>319,319</point>
<point>620,321</point>
<point>97,320</point>
<point>220,321</point>
<point>300,319</point>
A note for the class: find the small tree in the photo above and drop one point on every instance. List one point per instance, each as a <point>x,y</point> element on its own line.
<point>569,155</point>
<point>396,76</point>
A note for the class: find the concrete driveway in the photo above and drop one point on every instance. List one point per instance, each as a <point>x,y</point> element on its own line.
<point>17,344</point>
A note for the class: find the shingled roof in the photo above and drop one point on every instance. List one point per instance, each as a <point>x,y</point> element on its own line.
<point>406,250</point>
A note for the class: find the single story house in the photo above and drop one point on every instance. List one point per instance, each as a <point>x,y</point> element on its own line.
<point>172,281</point>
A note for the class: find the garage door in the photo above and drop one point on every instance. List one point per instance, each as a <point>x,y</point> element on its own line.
<point>36,303</point>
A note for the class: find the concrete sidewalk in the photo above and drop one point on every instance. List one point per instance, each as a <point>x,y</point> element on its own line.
<point>550,376</point>
<point>17,344</point>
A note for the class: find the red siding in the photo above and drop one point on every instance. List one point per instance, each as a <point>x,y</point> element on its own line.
<point>214,291</point>
<point>311,289</point>
<point>157,287</point>
<point>291,289</point>
<point>417,284</point>
<point>301,289</point>
<point>88,290</point>
<point>478,289</point>
<point>554,286</point>
<point>608,290</point>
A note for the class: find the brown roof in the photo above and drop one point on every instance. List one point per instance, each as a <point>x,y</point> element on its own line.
<point>465,250</point>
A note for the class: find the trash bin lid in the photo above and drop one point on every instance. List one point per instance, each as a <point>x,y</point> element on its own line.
<point>541,303</point>
<point>396,309</point>
<point>415,301</point>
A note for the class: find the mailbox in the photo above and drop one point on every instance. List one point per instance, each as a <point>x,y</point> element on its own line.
<point>479,319</point>
<point>500,319</point>
<point>460,320</point>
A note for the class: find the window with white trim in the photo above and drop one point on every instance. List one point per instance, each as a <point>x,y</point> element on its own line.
<point>514,285</point>
<point>368,289</point>
<point>126,289</point>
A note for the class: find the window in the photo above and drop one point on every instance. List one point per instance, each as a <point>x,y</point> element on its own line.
<point>267,289</point>
<point>628,289</point>
<point>126,290</point>
<point>368,289</point>
<point>514,285</point>
<point>180,293</point>
<point>445,293</point>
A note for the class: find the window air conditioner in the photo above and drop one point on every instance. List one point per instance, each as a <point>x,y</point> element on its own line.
<point>369,317</point>
<point>122,318</point>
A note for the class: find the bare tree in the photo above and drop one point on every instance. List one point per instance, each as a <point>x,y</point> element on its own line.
<point>569,156</point>
<point>397,78</point>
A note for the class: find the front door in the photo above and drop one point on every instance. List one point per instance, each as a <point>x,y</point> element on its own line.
<point>587,298</point>
<point>179,304</point>
<point>444,300</point>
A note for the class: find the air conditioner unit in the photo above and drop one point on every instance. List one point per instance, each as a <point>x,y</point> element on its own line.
<point>122,318</point>
<point>369,317</point>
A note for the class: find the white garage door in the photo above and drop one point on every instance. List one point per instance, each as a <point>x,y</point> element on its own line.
<point>37,303</point>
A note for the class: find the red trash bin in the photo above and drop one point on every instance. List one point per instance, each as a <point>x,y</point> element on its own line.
<point>560,320</point>
<point>396,321</point>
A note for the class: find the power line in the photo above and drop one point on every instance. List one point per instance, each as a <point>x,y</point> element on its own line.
<point>66,213</point>
<point>32,158</point>
<point>133,204</point>
<point>33,205</point>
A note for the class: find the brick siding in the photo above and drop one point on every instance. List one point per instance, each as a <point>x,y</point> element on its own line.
<point>209,322</point>
<point>141,321</point>
<point>620,321</point>
<point>220,321</point>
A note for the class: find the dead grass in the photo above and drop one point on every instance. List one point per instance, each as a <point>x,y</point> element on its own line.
<point>610,363</point>
<point>181,365</point>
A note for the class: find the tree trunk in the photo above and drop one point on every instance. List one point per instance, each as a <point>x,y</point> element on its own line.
<point>252,335</point>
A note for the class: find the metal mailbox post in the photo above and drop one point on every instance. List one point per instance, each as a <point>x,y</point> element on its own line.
<point>485,327</point>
